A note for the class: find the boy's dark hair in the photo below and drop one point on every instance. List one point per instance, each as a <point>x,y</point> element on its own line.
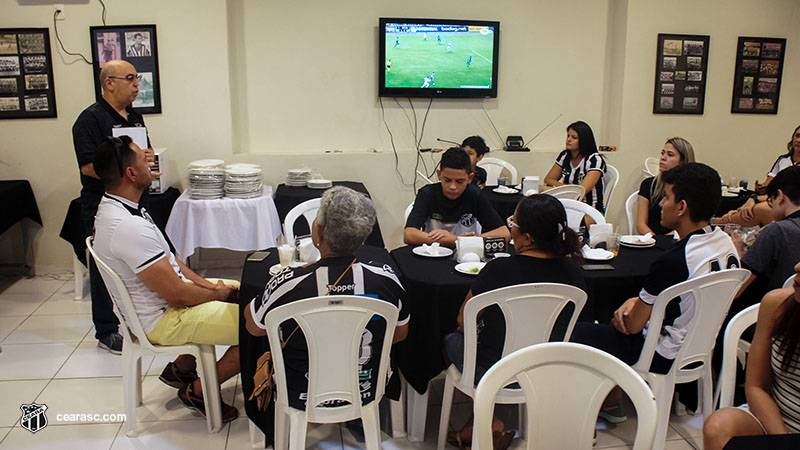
<point>788,181</point>
<point>477,143</point>
<point>456,158</point>
<point>111,158</point>
<point>699,185</point>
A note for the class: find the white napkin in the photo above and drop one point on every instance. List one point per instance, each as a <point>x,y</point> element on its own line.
<point>598,233</point>
<point>595,253</point>
<point>307,251</point>
<point>644,239</point>
<point>432,250</point>
<point>469,244</point>
<point>505,190</point>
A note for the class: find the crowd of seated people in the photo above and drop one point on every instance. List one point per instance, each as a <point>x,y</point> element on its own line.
<point>179,306</point>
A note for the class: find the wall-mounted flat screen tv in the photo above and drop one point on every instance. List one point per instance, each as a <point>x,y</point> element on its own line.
<point>438,58</point>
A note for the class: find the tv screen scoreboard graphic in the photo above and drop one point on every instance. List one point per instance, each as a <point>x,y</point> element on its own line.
<point>438,56</point>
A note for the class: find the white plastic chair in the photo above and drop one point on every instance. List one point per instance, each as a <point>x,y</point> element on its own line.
<point>564,385</point>
<point>332,326</point>
<point>731,351</point>
<point>494,166</point>
<point>576,210</point>
<point>651,166</point>
<point>570,191</point>
<point>530,311</point>
<point>307,209</point>
<point>135,339</point>
<point>713,294</point>
<point>631,210</point>
<point>610,180</point>
<point>407,213</point>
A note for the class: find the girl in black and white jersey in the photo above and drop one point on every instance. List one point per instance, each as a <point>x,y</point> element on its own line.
<point>773,375</point>
<point>580,163</point>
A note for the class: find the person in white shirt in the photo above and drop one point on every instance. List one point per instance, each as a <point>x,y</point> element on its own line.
<point>175,305</point>
<point>692,193</point>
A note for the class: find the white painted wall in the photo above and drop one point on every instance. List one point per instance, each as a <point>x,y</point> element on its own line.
<point>277,83</point>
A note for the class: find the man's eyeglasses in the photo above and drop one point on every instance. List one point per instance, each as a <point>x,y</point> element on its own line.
<point>130,77</point>
<point>510,222</point>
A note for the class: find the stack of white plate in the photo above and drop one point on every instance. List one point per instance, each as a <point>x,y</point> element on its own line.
<point>243,181</point>
<point>298,177</point>
<point>317,183</point>
<point>206,178</point>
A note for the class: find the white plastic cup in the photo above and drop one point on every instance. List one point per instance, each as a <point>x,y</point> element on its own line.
<point>286,254</point>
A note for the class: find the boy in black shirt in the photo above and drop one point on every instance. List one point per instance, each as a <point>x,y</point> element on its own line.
<point>476,147</point>
<point>453,207</point>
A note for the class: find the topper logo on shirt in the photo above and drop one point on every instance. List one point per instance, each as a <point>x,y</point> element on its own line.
<point>342,288</point>
<point>388,268</point>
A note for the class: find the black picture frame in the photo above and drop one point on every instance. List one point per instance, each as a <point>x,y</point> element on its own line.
<point>119,42</point>
<point>680,78</point>
<point>27,90</point>
<point>757,75</point>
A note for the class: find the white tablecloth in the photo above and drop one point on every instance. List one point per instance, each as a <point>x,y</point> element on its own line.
<point>232,223</point>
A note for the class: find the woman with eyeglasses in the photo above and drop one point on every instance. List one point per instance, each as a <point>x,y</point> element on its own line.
<point>546,252</point>
<point>676,151</point>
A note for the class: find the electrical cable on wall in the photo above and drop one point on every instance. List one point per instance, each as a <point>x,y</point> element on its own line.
<point>58,38</point>
<point>103,16</point>
<point>394,149</point>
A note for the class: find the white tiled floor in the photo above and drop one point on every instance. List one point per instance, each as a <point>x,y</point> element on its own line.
<point>49,355</point>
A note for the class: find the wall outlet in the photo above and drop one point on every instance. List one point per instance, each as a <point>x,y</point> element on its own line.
<point>58,8</point>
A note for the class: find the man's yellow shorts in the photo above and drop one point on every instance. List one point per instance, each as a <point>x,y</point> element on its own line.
<point>214,323</point>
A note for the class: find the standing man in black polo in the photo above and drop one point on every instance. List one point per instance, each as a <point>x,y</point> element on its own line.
<point>120,84</point>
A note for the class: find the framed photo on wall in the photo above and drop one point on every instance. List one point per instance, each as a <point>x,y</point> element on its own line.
<point>135,44</point>
<point>757,75</point>
<point>26,74</point>
<point>681,68</point>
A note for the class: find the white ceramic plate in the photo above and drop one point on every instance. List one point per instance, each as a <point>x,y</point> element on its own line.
<point>443,251</point>
<point>470,268</point>
<point>598,255</point>
<point>201,163</point>
<point>504,190</point>
<point>632,240</point>
<point>729,194</point>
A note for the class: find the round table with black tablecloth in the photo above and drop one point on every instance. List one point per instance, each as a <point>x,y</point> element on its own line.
<point>608,289</point>
<point>287,197</point>
<point>434,294</point>
<point>504,204</point>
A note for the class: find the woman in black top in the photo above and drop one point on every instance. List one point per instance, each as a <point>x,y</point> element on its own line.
<point>547,250</point>
<point>676,151</point>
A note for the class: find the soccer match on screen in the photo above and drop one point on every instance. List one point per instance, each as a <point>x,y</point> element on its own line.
<point>438,56</point>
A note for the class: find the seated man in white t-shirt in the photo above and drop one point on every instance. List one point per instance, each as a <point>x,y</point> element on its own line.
<point>175,305</point>
<point>691,196</point>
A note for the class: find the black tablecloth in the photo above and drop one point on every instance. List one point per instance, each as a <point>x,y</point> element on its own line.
<point>608,289</point>
<point>434,294</point>
<point>731,203</point>
<point>287,197</point>
<point>255,276</point>
<point>18,202</point>
<point>504,204</point>
<point>74,232</point>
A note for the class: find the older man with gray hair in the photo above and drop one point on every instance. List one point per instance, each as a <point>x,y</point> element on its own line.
<point>344,221</point>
